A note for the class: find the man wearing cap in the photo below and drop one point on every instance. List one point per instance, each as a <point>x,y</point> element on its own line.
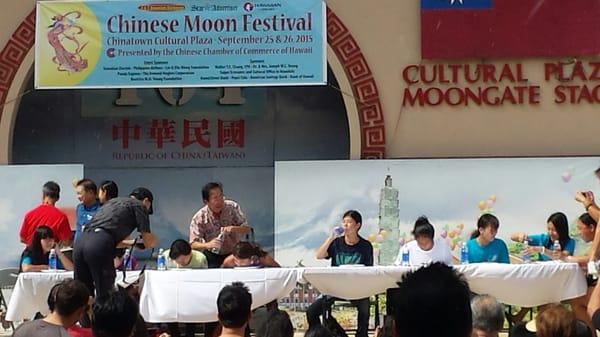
<point>108,230</point>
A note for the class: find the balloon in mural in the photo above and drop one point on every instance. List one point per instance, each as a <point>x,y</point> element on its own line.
<point>383,233</point>
<point>566,177</point>
<point>444,234</point>
<point>379,238</point>
<point>493,198</point>
<point>482,205</point>
<point>452,234</point>
<point>371,238</point>
<point>401,242</point>
<point>489,204</point>
<point>461,226</point>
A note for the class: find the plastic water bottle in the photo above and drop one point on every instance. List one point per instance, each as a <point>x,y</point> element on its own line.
<point>464,254</point>
<point>526,257</point>
<point>556,248</point>
<point>52,260</point>
<point>405,256</point>
<point>127,260</point>
<point>161,262</point>
<point>220,240</point>
<point>338,231</point>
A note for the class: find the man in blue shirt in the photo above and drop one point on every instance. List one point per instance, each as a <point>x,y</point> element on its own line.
<point>87,193</point>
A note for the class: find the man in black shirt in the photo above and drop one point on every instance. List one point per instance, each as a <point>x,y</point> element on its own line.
<point>108,230</point>
<point>345,250</point>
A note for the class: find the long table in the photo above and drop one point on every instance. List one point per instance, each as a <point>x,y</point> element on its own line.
<point>525,285</point>
<point>30,294</point>
<point>190,295</point>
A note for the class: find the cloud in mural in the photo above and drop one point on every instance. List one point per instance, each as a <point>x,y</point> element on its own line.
<point>8,219</point>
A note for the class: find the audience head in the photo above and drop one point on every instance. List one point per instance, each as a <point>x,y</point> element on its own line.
<point>279,325</point>
<point>423,233</point>
<point>318,331</point>
<point>115,315</point>
<point>70,300</point>
<point>432,301</point>
<point>587,227</point>
<point>145,196</point>
<point>247,254</point>
<point>555,321</point>
<point>351,221</point>
<point>43,240</point>
<point>488,316</point>
<point>212,195</point>
<point>558,228</point>
<point>51,191</point>
<point>181,252</point>
<point>234,304</point>
<point>487,227</point>
<point>87,191</point>
<point>108,190</point>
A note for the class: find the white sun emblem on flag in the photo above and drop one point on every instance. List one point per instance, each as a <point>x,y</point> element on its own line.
<point>457,1</point>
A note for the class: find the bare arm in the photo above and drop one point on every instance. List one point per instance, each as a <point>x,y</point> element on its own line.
<point>322,251</point>
<point>149,240</point>
<point>27,268</point>
<point>268,261</point>
<point>68,264</point>
<point>199,245</point>
<point>594,303</point>
<point>518,237</point>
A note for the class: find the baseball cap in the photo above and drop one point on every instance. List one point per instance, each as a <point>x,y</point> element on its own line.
<point>142,193</point>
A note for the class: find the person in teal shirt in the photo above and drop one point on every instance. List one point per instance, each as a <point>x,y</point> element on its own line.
<point>557,229</point>
<point>484,246</point>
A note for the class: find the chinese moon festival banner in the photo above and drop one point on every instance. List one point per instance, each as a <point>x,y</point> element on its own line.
<point>101,44</point>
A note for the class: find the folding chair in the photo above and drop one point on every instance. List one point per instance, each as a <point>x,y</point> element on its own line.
<point>8,278</point>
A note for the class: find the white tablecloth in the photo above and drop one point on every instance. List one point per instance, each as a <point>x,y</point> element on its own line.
<point>31,291</point>
<point>191,295</point>
<point>524,285</point>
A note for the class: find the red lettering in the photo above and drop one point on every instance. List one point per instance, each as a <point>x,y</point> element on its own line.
<point>560,95</point>
<point>578,72</point>
<point>477,72</point>
<point>459,93</point>
<point>596,72</point>
<point>413,99</point>
<point>410,78</point>
<point>486,98</point>
<point>429,99</point>
<point>489,73</point>
<point>550,69</point>
<point>423,73</point>
<point>506,73</point>
<point>470,95</point>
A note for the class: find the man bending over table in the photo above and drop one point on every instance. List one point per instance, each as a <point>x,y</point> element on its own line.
<point>345,250</point>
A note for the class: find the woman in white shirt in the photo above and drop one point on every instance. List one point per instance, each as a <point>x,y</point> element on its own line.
<point>424,249</point>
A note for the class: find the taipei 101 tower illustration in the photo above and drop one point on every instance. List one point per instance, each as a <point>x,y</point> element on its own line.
<point>389,215</point>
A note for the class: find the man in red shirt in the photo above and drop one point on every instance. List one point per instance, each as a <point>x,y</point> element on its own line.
<point>47,214</point>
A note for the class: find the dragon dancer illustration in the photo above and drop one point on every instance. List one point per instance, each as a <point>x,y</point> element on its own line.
<point>63,37</point>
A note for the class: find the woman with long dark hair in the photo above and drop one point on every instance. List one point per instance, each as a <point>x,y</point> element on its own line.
<point>557,229</point>
<point>35,256</point>
<point>246,254</point>
<point>484,246</point>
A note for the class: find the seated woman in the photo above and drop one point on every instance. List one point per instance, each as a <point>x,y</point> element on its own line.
<point>35,256</point>
<point>424,249</point>
<point>484,246</point>
<point>246,254</point>
<point>557,229</point>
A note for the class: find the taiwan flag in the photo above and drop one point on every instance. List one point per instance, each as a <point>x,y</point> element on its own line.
<point>452,29</point>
